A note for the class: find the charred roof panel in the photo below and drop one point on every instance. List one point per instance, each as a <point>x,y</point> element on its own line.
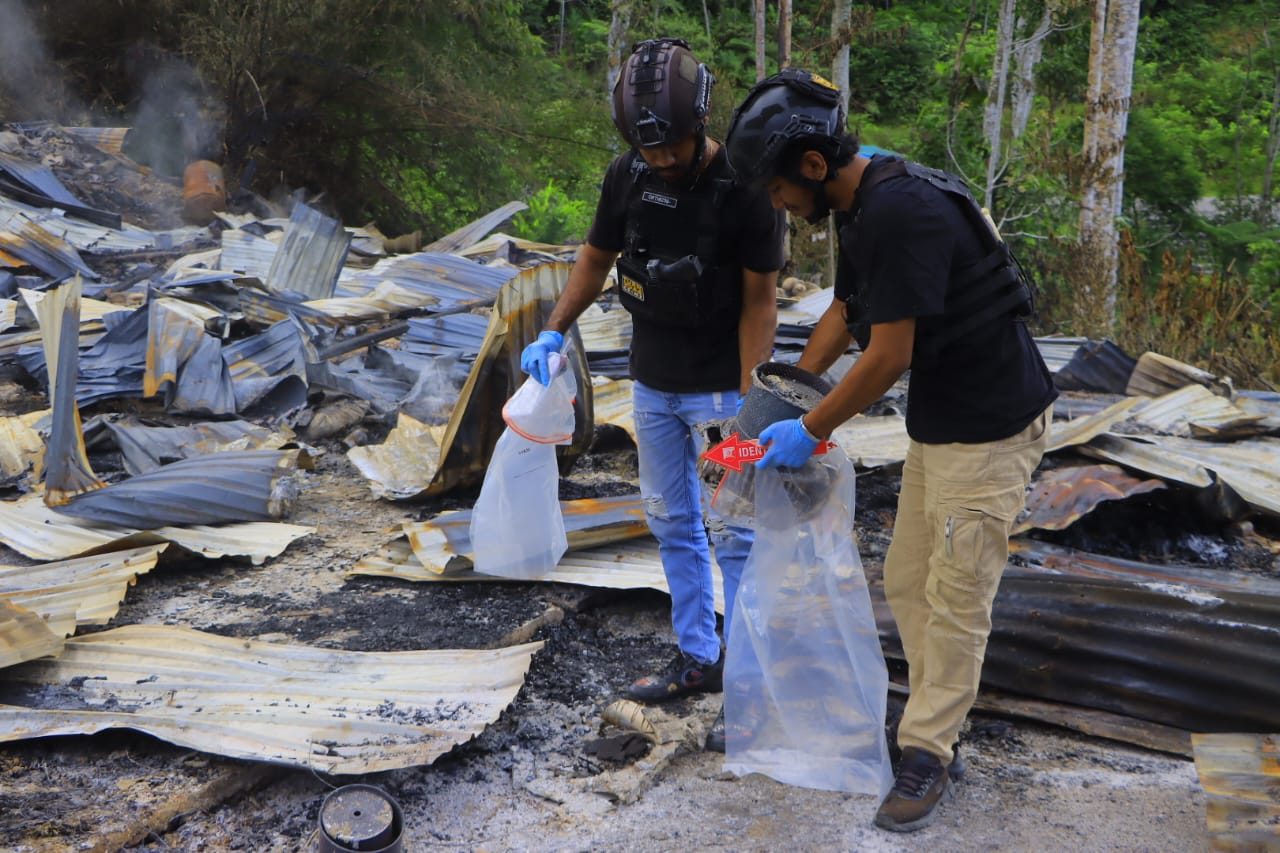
<point>310,256</point>
<point>446,333</point>
<point>454,282</point>
<point>474,231</point>
<point>24,635</point>
<point>267,701</point>
<point>24,239</point>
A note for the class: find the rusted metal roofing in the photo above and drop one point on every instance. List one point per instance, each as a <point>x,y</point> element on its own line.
<point>384,300</point>
<point>246,485</point>
<point>21,447</point>
<point>443,544</point>
<point>1061,496</point>
<point>96,239</point>
<point>632,564</point>
<point>35,184</point>
<point>1098,366</point>
<point>446,333</point>
<point>414,461</point>
<point>108,139</point>
<point>35,531</point>
<point>265,701</point>
<point>1194,410</point>
<point>82,591</point>
<point>450,282</point>
<point>24,635</point>
<point>473,232</point>
<point>1157,374</point>
<point>613,403</point>
<point>183,361</point>
<point>1186,647</point>
<point>1240,773</point>
<point>270,369</point>
<point>1085,429</point>
<point>24,239</point>
<point>310,254</point>
<point>145,448</point>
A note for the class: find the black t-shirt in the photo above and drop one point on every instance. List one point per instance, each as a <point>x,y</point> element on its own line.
<point>911,236</point>
<point>683,359</point>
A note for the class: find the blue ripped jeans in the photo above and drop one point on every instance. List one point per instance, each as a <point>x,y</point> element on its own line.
<point>673,502</point>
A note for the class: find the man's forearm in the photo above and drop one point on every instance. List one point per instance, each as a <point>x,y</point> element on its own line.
<point>827,342</point>
<point>758,323</point>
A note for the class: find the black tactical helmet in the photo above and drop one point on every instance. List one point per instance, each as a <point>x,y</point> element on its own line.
<point>662,95</point>
<point>789,106</point>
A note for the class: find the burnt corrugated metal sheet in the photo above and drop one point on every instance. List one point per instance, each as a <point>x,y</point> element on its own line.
<point>36,184</point>
<point>265,701</point>
<point>146,448</point>
<point>184,362</point>
<point>270,369</point>
<point>1156,374</point>
<point>247,485</point>
<point>1098,366</point>
<point>310,255</point>
<point>83,591</point>
<point>21,447</point>
<point>447,333</point>
<point>108,139</point>
<point>24,636</point>
<point>1196,411</point>
<point>474,231</point>
<point>452,283</point>
<point>247,253</point>
<point>1060,496</point>
<point>1240,773</point>
<point>33,530</point>
<point>872,441</point>
<point>24,239</point>
<point>1186,647</point>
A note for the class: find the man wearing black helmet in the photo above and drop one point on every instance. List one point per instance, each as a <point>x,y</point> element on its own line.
<point>697,258</point>
<point>924,282</point>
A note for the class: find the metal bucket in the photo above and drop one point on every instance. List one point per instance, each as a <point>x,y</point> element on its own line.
<point>203,192</point>
<point>778,392</point>
<point>359,818</point>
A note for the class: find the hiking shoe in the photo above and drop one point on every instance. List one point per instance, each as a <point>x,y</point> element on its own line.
<point>956,769</point>
<point>684,675</point>
<point>715,735</point>
<point>921,785</point>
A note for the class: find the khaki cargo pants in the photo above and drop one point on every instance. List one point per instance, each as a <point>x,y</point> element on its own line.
<point>950,547</point>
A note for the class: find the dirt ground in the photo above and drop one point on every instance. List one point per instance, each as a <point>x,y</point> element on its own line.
<point>525,784</point>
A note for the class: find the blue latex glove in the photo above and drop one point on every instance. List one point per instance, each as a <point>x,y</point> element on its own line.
<point>533,360</point>
<point>789,446</point>
<point>740,399</point>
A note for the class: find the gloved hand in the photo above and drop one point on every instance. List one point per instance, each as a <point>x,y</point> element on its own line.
<point>741,397</point>
<point>789,445</point>
<point>533,360</point>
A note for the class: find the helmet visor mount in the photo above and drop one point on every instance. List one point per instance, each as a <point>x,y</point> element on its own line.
<point>651,130</point>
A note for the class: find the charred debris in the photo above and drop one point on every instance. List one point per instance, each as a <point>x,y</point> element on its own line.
<point>169,360</point>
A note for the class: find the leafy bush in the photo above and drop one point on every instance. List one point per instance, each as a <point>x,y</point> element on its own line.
<point>553,217</point>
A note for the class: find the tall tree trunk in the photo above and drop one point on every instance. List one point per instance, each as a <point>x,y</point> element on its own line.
<point>841,36</point>
<point>993,113</point>
<point>619,25</point>
<point>784,33</point>
<point>1026,54</point>
<point>760,27</point>
<point>706,19</point>
<point>1111,55</point>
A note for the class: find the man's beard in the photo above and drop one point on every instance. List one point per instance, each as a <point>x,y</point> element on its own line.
<point>821,209</point>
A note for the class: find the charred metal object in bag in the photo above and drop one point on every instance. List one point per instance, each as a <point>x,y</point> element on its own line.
<point>779,392</point>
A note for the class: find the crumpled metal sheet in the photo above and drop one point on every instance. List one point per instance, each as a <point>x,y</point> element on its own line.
<point>36,184</point>
<point>247,485</point>
<point>21,447</point>
<point>443,543</point>
<point>399,469</point>
<point>445,334</point>
<point>81,591</point>
<point>1061,496</point>
<point>614,403</point>
<point>1248,467</point>
<point>633,564</point>
<point>1240,774</point>
<point>450,282</point>
<point>269,370</point>
<point>1196,411</point>
<point>324,710</point>
<point>184,362</point>
<point>145,448</point>
<point>310,254</point>
<point>24,635</point>
<point>24,239</point>
<point>1156,375</point>
<point>1098,366</point>
<point>471,233</point>
<point>33,530</point>
<point>1186,647</point>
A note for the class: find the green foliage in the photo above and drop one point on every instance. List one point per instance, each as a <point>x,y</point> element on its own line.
<point>553,217</point>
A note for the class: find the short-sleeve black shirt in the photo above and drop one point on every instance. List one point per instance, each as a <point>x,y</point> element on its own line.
<point>683,359</point>
<point>911,236</point>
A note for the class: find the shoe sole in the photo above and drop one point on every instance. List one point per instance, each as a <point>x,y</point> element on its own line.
<point>885,822</point>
